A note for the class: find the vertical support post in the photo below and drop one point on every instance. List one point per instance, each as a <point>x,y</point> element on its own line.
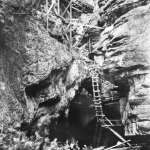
<point>70,26</point>
<point>47,17</point>
<point>37,65</point>
<point>58,5</point>
<point>90,50</point>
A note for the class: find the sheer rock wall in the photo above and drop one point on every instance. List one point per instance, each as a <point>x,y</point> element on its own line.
<point>35,68</point>
<point>125,44</point>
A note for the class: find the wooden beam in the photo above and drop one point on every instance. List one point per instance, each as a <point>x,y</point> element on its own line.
<point>67,8</point>
<point>107,4</point>
<point>58,5</point>
<point>90,47</point>
<point>47,16</point>
<point>70,27</point>
<point>118,135</point>
<point>110,148</point>
<point>76,9</point>
<point>52,4</point>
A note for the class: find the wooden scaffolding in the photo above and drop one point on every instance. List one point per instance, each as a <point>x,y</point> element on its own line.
<point>76,5</point>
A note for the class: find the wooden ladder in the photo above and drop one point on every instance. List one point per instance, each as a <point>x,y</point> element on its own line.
<point>97,101</point>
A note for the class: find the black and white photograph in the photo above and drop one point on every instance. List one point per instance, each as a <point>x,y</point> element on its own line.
<point>74,74</point>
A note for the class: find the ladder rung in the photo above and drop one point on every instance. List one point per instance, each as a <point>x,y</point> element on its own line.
<point>95,86</point>
<point>96,91</point>
<point>99,110</point>
<point>97,103</point>
<point>100,116</point>
<point>97,96</point>
<point>95,80</point>
<point>98,107</point>
<point>97,100</point>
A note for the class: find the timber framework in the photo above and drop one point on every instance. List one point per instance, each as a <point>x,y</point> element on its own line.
<point>78,34</point>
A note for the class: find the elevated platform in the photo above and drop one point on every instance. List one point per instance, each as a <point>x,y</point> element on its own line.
<point>81,5</point>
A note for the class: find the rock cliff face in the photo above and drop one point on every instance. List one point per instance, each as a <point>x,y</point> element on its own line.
<point>125,45</point>
<point>36,67</point>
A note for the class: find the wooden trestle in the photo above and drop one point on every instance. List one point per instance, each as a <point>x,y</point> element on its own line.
<point>102,120</point>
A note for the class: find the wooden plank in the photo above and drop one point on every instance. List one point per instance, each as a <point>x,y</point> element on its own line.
<point>67,8</point>
<point>58,5</point>
<point>47,16</point>
<point>76,9</point>
<point>107,4</point>
<point>118,135</point>
<point>110,148</point>
<point>70,28</point>
<point>128,148</point>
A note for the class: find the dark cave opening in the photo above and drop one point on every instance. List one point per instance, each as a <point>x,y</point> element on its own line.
<point>33,89</point>
<point>81,121</point>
